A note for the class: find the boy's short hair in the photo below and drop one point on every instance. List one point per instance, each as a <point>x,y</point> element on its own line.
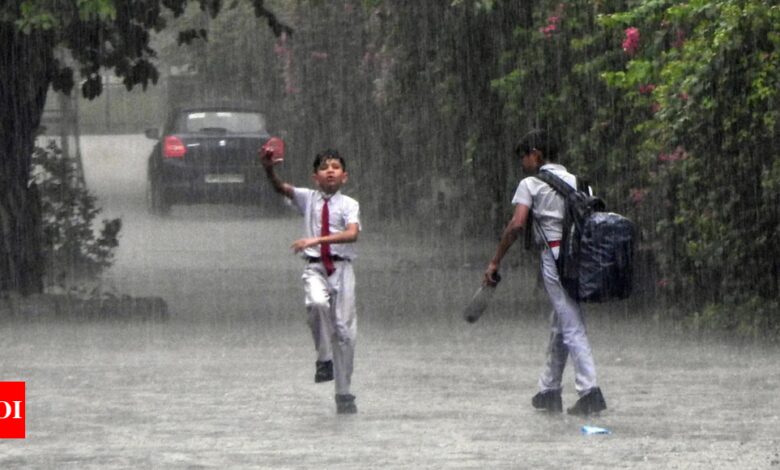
<point>540,140</point>
<point>328,154</point>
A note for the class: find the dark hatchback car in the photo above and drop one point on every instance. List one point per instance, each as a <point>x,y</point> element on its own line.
<point>208,154</point>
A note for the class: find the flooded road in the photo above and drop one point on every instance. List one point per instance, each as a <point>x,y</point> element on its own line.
<point>226,382</point>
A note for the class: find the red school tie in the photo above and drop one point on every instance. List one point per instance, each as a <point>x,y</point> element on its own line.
<point>325,247</point>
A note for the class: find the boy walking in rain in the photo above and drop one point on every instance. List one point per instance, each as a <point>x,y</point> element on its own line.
<point>567,336</point>
<point>331,226</point>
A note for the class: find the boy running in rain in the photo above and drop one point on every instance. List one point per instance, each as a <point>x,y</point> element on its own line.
<point>331,226</point>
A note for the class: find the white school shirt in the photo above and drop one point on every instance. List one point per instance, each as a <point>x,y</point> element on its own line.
<point>342,210</point>
<point>547,204</point>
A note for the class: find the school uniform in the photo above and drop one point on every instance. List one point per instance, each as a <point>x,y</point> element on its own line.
<point>568,336</point>
<point>330,299</point>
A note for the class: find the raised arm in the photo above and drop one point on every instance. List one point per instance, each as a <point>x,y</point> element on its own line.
<point>279,186</point>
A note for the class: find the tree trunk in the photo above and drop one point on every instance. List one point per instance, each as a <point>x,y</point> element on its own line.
<point>25,74</point>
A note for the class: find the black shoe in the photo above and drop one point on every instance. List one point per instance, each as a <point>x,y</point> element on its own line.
<point>590,403</point>
<point>345,404</point>
<point>324,371</point>
<point>548,401</point>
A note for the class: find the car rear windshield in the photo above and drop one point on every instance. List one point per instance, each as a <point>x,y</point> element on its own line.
<point>230,121</point>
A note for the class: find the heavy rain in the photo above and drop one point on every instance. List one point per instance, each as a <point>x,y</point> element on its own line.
<point>153,306</point>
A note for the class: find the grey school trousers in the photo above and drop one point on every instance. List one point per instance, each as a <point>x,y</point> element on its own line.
<point>567,335</point>
<point>330,303</point>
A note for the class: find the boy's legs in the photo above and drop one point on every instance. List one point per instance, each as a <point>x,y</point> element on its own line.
<point>570,326</point>
<point>344,325</point>
<point>317,301</point>
<point>549,396</point>
<point>557,353</point>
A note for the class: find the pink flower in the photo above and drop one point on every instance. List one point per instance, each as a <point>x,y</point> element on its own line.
<point>655,107</point>
<point>679,153</point>
<point>646,89</point>
<point>663,283</point>
<point>631,42</point>
<point>317,55</point>
<point>551,27</point>
<point>683,96</point>
<point>280,50</point>
<point>548,30</point>
<point>638,195</point>
<point>553,21</point>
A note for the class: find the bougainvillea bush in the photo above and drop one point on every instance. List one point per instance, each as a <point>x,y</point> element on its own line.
<point>708,73</point>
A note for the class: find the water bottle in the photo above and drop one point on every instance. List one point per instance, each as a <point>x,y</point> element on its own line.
<point>479,303</point>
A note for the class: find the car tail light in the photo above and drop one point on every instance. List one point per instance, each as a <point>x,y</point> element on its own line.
<point>173,147</point>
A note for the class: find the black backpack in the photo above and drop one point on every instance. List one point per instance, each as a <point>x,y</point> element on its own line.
<point>595,262</point>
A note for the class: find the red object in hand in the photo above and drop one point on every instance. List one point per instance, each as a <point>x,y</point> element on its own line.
<point>274,149</point>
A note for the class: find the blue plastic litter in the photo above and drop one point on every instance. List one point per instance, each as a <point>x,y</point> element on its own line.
<point>588,430</point>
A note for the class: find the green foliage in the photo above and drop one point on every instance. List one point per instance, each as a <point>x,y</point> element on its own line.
<point>35,16</point>
<point>72,251</point>
<point>556,80</point>
<point>714,69</point>
<point>112,34</point>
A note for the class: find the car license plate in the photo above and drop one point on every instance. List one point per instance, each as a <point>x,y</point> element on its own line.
<point>224,178</point>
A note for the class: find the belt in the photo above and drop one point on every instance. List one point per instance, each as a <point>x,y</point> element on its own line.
<point>316,259</point>
<point>554,243</point>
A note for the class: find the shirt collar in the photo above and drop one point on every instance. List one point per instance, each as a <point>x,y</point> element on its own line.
<point>552,166</point>
<point>323,196</point>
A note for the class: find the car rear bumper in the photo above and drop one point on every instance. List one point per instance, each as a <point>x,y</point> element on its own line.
<point>189,186</point>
